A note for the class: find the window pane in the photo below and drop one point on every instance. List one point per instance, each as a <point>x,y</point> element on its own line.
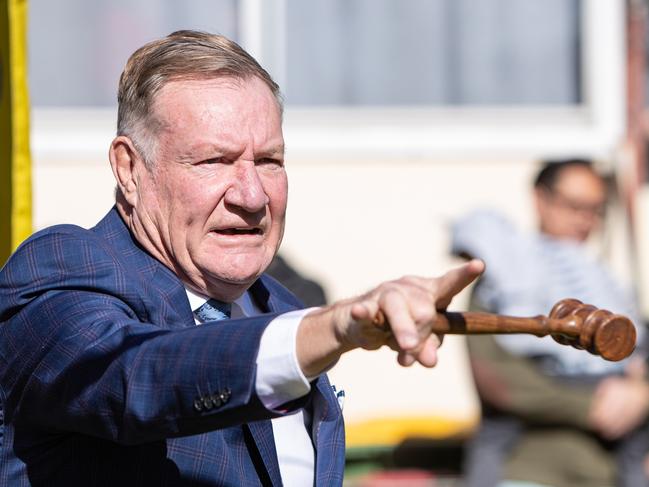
<point>78,48</point>
<point>437,52</point>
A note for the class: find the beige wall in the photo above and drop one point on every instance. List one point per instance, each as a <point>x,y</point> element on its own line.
<point>351,224</point>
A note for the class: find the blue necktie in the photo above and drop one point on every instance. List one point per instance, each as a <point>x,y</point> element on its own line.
<point>213,310</point>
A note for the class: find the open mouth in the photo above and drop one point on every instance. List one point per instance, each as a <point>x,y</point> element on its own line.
<point>239,231</point>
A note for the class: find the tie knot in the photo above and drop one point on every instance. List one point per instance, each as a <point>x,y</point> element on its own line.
<point>213,310</point>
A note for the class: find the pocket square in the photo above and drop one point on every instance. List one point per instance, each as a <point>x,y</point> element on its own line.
<point>340,396</point>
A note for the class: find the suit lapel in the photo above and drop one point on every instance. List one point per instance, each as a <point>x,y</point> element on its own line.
<point>174,305</point>
<point>328,435</point>
<point>262,431</point>
<point>327,429</point>
<point>170,307</point>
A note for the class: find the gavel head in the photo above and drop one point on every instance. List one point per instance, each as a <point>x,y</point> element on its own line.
<point>597,330</point>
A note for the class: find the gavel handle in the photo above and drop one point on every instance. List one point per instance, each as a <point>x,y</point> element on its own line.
<point>475,323</point>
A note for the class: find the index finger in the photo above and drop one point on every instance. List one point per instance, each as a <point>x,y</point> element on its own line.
<point>402,325</point>
<point>451,283</point>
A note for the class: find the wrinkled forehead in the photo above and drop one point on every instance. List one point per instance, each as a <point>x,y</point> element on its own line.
<point>236,95</point>
<point>194,82</point>
<point>227,113</point>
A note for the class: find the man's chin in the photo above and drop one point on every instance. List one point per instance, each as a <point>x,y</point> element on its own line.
<point>234,282</point>
<point>232,271</point>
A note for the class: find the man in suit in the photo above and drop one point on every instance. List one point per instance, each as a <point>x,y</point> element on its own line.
<point>151,349</point>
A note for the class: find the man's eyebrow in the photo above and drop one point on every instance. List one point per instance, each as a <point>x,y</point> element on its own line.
<point>185,157</point>
<point>209,150</point>
<point>277,150</point>
<point>200,152</point>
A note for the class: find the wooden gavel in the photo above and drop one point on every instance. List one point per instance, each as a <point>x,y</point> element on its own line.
<point>570,322</point>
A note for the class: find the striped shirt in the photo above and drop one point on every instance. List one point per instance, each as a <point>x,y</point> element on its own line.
<point>527,274</point>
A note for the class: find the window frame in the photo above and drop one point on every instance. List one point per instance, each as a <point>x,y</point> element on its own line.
<point>593,128</point>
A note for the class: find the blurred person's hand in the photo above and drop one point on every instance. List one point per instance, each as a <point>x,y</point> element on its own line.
<point>620,404</point>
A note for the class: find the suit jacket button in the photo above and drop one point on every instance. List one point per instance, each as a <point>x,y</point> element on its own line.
<point>207,402</point>
<point>216,400</point>
<point>225,395</point>
<point>198,404</point>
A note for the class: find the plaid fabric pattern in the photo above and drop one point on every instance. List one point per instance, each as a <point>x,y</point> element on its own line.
<point>106,381</point>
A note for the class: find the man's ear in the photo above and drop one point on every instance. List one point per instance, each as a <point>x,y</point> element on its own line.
<point>123,161</point>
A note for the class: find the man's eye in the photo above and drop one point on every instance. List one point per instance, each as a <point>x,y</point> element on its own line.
<point>213,160</point>
<point>269,161</point>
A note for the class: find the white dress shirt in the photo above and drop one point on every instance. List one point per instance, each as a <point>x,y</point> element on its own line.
<point>280,380</point>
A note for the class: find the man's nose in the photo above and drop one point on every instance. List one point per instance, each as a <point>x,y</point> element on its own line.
<point>247,190</point>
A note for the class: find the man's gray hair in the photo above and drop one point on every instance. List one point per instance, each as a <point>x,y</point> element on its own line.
<point>182,55</point>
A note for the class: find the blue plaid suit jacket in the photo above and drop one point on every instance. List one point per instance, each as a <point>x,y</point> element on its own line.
<point>101,364</point>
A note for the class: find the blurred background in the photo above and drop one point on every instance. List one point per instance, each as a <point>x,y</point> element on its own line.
<point>400,116</point>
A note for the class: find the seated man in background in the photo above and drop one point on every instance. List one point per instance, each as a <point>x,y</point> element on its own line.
<point>552,416</point>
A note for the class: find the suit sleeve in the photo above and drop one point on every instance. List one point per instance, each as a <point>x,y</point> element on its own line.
<point>76,357</point>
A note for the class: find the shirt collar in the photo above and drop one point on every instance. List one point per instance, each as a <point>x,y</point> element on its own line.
<point>245,303</point>
<point>195,300</point>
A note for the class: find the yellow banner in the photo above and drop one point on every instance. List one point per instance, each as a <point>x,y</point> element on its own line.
<point>15,160</point>
<point>391,431</point>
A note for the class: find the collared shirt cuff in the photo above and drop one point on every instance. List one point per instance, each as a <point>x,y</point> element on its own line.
<point>279,377</point>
